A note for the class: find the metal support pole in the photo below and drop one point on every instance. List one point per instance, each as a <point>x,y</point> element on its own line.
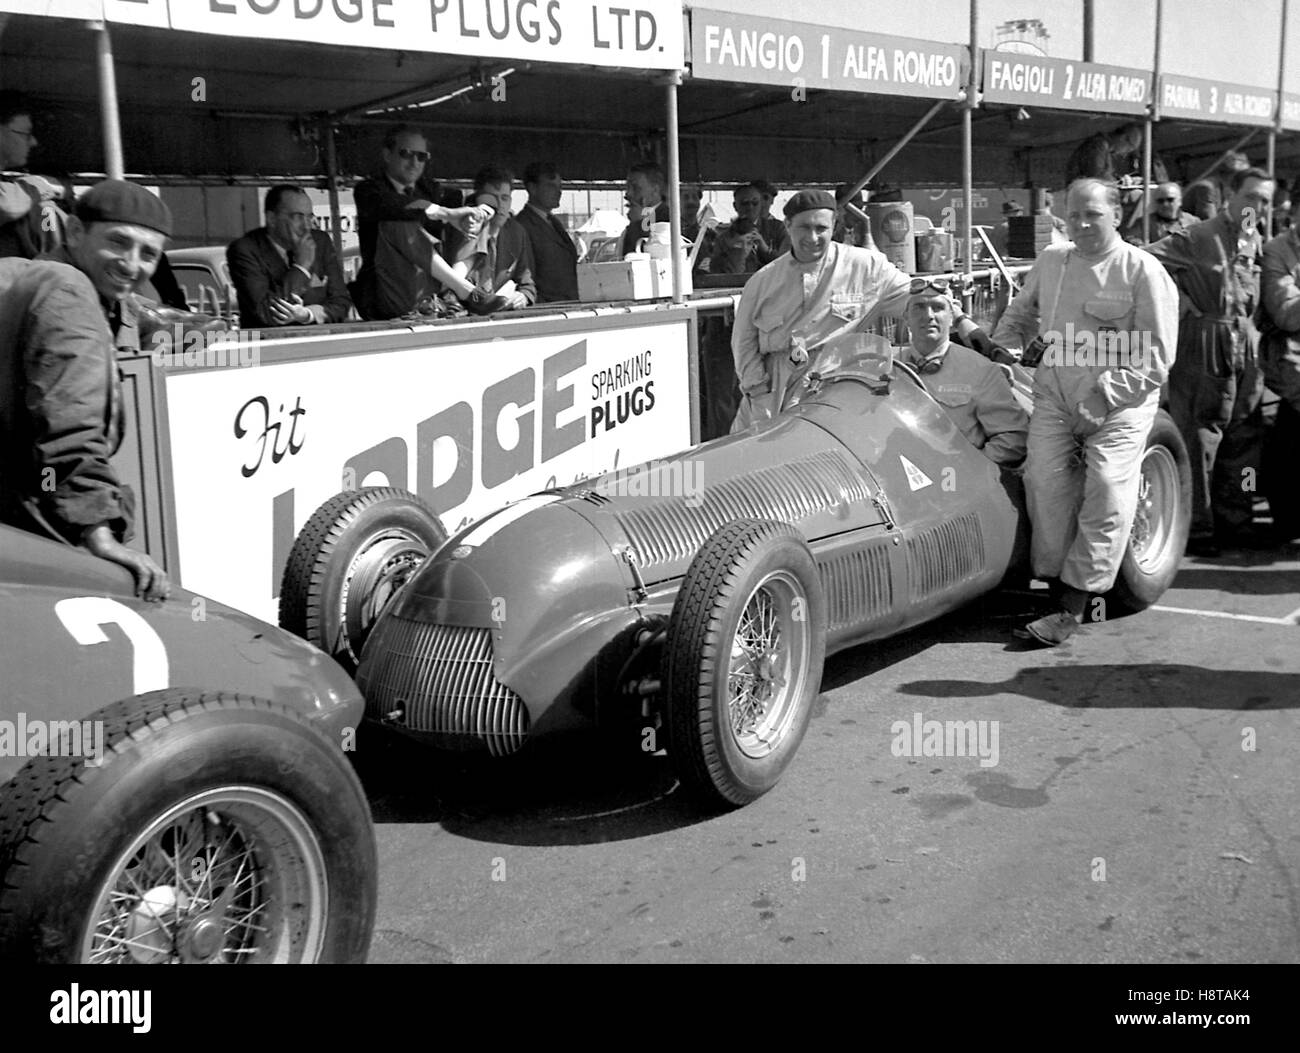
<point>1147,195</point>
<point>1231,149</point>
<point>1089,23</point>
<point>113,163</point>
<point>967,167</point>
<point>1277,117</point>
<point>674,190</point>
<point>892,152</point>
<point>1149,128</point>
<point>332,184</point>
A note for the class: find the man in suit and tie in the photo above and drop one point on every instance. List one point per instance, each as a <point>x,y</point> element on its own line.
<point>555,258</point>
<point>500,258</point>
<point>401,230</point>
<point>286,273</point>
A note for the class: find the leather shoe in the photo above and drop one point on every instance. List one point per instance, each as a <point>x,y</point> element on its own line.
<point>1051,629</point>
<point>478,302</point>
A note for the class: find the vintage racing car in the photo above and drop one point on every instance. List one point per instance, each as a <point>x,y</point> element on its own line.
<point>699,594</point>
<point>177,789</point>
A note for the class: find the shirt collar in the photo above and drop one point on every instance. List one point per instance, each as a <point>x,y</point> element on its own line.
<point>915,359</point>
<point>280,249</point>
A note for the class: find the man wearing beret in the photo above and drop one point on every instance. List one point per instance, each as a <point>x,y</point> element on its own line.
<point>795,303</point>
<point>62,319</point>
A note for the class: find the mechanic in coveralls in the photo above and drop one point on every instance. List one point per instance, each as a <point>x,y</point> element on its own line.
<point>1217,386</point>
<point>794,304</point>
<point>1108,317</point>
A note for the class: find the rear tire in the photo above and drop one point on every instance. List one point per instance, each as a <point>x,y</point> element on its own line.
<point>215,828</point>
<point>744,655</point>
<point>352,556</point>
<point>1164,517</point>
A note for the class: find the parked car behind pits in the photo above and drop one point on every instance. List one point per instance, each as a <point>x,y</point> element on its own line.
<point>695,598</point>
<point>177,786</point>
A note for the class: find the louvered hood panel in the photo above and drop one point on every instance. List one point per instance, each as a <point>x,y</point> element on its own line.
<point>793,472</point>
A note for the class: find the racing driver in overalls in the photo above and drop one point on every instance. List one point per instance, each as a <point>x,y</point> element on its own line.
<point>1107,317</point>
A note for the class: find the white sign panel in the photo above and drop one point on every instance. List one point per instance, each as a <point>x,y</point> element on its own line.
<point>468,427</point>
<point>644,34</point>
<point>138,12</point>
<point>92,10</point>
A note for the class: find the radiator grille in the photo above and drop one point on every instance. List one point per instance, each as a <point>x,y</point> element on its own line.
<point>858,586</point>
<point>442,676</point>
<point>669,530</point>
<point>945,555</point>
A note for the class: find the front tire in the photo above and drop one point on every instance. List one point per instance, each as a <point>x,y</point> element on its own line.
<point>215,828</point>
<point>352,556</point>
<point>745,649</point>
<point>1162,522</point>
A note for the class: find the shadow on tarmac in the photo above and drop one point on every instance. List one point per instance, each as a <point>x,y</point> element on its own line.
<point>563,790</point>
<point>584,789</point>
<point>1144,686</point>
<point>1231,579</point>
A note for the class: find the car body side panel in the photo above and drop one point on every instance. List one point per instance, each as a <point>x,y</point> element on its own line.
<point>905,519</point>
<point>83,641</point>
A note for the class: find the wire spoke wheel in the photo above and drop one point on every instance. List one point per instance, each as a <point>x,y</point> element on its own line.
<point>743,660</point>
<point>214,828</point>
<point>1161,520</point>
<point>230,875</point>
<point>1157,509</point>
<point>769,644</point>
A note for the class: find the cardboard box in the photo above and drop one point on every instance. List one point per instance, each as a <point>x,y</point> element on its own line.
<point>628,280</point>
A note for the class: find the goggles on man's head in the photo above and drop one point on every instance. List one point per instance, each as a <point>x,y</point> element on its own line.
<point>938,282</point>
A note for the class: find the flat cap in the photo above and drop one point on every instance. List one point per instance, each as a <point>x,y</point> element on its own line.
<point>117,201</point>
<point>806,200</point>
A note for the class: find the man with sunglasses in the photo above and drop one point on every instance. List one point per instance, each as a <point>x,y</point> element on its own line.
<point>974,392</point>
<point>1167,218</point>
<point>400,228</point>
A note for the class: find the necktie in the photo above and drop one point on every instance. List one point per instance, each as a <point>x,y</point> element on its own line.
<point>491,263</point>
